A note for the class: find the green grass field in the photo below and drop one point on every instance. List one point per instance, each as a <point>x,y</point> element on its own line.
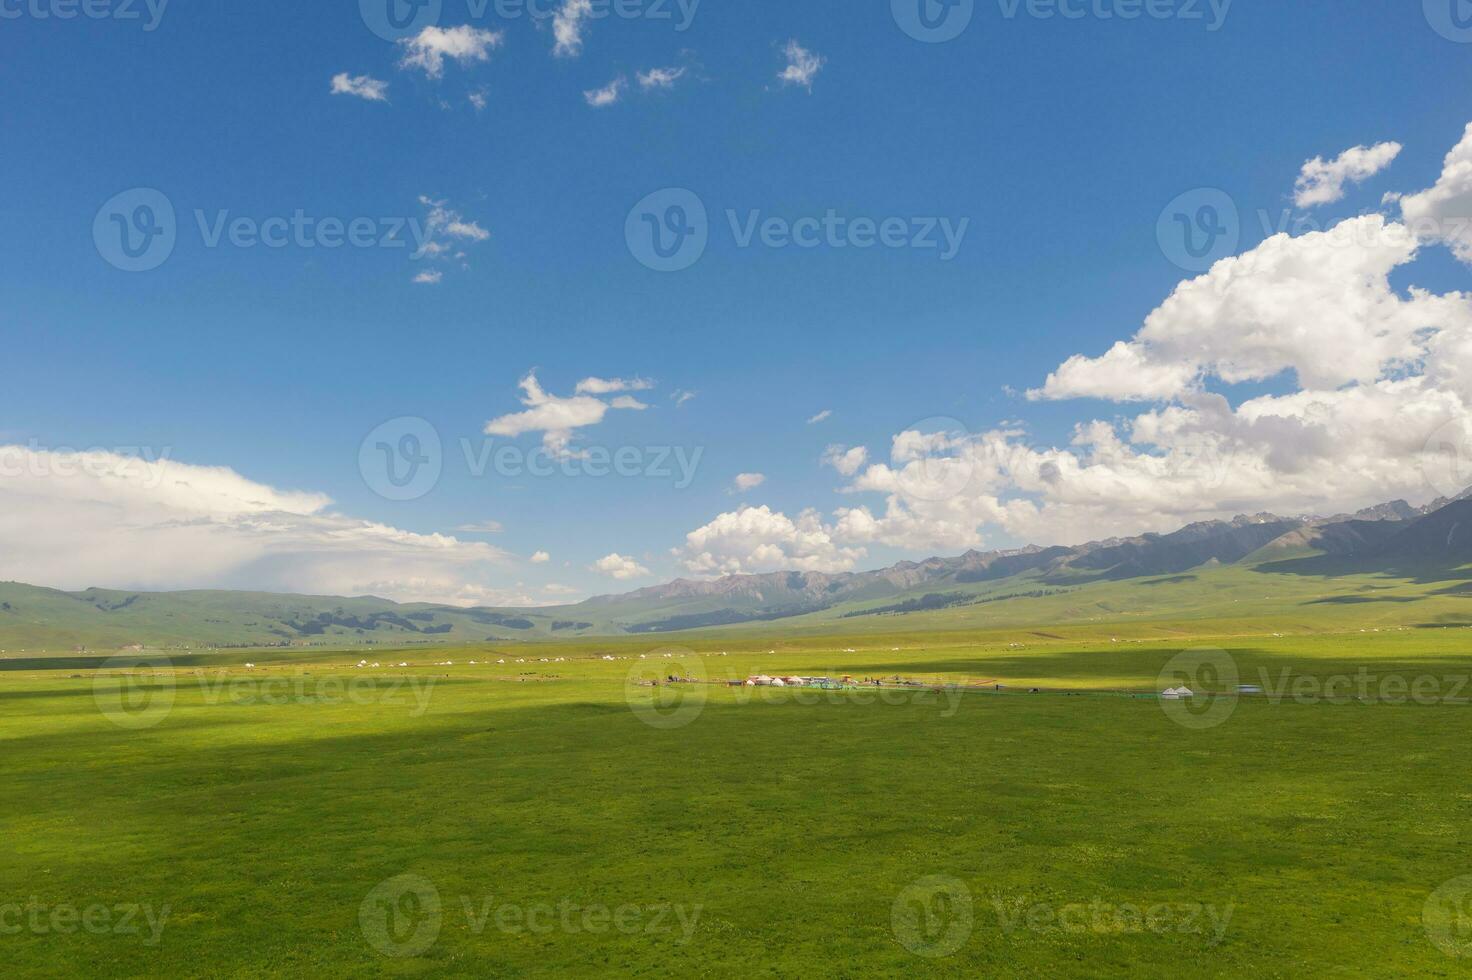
<point>554,819</point>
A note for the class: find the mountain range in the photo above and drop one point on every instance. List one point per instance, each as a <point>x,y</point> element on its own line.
<point>970,589</point>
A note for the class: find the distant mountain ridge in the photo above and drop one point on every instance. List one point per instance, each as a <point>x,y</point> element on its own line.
<point>1226,542</point>
<point>1388,534</point>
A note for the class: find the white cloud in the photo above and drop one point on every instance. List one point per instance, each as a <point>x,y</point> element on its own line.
<point>758,539</point>
<point>660,77</point>
<point>443,221</point>
<point>1371,401</point>
<point>1322,181</point>
<point>748,481</point>
<point>1379,375</point>
<point>478,99</point>
<point>74,520</point>
<point>555,417</point>
<point>846,461</point>
<point>446,232</point>
<point>363,86</point>
<point>822,416</point>
<point>608,386</point>
<point>802,66</point>
<point>619,567</point>
<point>541,558</point>
<point>568,27</point>
<point>481,527</point>
<point>1122,373</point>
<point>1319,305</point>
<point>607,95</point>
<point>680,396</point>
<point>1443,212</point>
<point>465,45</point>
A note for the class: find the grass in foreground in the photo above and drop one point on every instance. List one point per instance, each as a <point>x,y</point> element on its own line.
<point>289,822</point>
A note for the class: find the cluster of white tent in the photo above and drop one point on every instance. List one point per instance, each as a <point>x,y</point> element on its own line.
<point>762,680</point>
<point>1177,693</point>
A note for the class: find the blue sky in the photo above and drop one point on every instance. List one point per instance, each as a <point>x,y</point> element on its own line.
<point>1059,141</point>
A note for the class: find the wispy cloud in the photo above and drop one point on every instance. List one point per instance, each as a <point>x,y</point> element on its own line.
<point>607,95</point>
<point>1322,181</point>
<point>660,77</point>
<point>558,418</point>
<point>446,232</point>
<point>619,567</point>
<point>802,66</point>
<point>568,26</point>
<point>74,520</point>
<point>822,416</point>
<point>748,481</point>
<point>363,86</point>
<point>464,45</point>
<point>609,386</point>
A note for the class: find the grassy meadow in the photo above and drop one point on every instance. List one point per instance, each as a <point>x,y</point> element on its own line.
<point>556,817</point>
